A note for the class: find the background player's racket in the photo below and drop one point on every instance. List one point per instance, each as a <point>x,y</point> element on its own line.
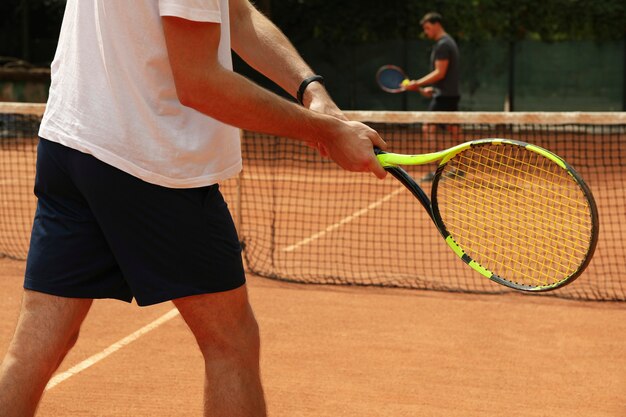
<point>390,78</point>
<point>514,212</point>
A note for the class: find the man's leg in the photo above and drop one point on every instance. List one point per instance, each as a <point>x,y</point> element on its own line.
<point>228,336</point>
<point>46,330</point>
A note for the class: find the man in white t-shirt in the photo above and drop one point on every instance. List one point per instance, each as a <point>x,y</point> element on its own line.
<point>140,126</point>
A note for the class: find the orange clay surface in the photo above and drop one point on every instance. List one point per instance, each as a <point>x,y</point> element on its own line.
<point>344,351</point>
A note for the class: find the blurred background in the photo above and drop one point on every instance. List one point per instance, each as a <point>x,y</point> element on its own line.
<point>516,55</point>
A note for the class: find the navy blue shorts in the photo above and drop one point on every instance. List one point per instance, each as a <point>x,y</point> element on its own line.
<point>102,233</point>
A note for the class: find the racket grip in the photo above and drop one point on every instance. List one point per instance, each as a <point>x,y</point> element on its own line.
<point>378,151</point>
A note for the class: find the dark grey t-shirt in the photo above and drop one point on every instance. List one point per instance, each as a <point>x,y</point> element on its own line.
<point>446,49</point>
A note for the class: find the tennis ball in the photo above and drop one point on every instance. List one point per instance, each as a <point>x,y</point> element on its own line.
<point>405,83</point>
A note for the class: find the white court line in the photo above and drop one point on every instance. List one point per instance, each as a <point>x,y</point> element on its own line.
<point>343,221</point>
<point>57,379</point>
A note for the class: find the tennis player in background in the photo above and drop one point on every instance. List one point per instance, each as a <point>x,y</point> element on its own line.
<point>140,127</point>
<point>441,84</point>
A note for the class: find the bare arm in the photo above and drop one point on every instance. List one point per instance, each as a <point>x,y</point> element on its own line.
<point>439,73</point>
<point>204,84</point>
<point>264,47</point>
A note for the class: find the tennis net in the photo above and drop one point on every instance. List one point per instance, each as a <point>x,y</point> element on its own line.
<point>302,219</point>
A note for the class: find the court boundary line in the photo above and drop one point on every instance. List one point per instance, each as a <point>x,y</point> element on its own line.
<point>343,221</point>
<point>94,359</point>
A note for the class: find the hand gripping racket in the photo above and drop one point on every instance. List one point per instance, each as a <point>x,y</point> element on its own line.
<point>516,213</point>
<point>391,79</point>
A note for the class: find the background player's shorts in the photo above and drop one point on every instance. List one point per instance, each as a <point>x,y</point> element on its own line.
<point>102,233</point>
<point>444,103</point>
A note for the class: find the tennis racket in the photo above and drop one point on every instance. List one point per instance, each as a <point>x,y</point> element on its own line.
<point>514,212</point>
<point>391,78</point>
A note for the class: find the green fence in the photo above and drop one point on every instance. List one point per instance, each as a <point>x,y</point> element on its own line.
<point>525,76</point>
<point>495,75</point>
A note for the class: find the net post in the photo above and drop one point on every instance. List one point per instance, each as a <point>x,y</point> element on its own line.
<point>510,103</point>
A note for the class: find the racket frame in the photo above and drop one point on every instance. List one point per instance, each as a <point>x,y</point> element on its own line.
<point>400,89</point>
<point>391,162</point>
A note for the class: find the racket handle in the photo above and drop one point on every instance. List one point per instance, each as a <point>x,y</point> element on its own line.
<point>378,151</point>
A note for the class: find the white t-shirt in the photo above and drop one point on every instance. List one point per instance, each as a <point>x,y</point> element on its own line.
<point>113,95</point>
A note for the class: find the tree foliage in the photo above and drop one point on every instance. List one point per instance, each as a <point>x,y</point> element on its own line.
<point>359,21</point>
<point>370,20</point>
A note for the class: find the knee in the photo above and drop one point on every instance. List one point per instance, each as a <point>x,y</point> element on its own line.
<point>239,340</point>
<point>223,325</point>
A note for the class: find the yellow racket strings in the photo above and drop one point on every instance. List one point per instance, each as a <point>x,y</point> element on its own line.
<point>516,212</point>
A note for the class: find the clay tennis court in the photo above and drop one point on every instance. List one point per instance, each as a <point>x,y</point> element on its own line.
<point>351,350</point>
<point>345,351</point>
